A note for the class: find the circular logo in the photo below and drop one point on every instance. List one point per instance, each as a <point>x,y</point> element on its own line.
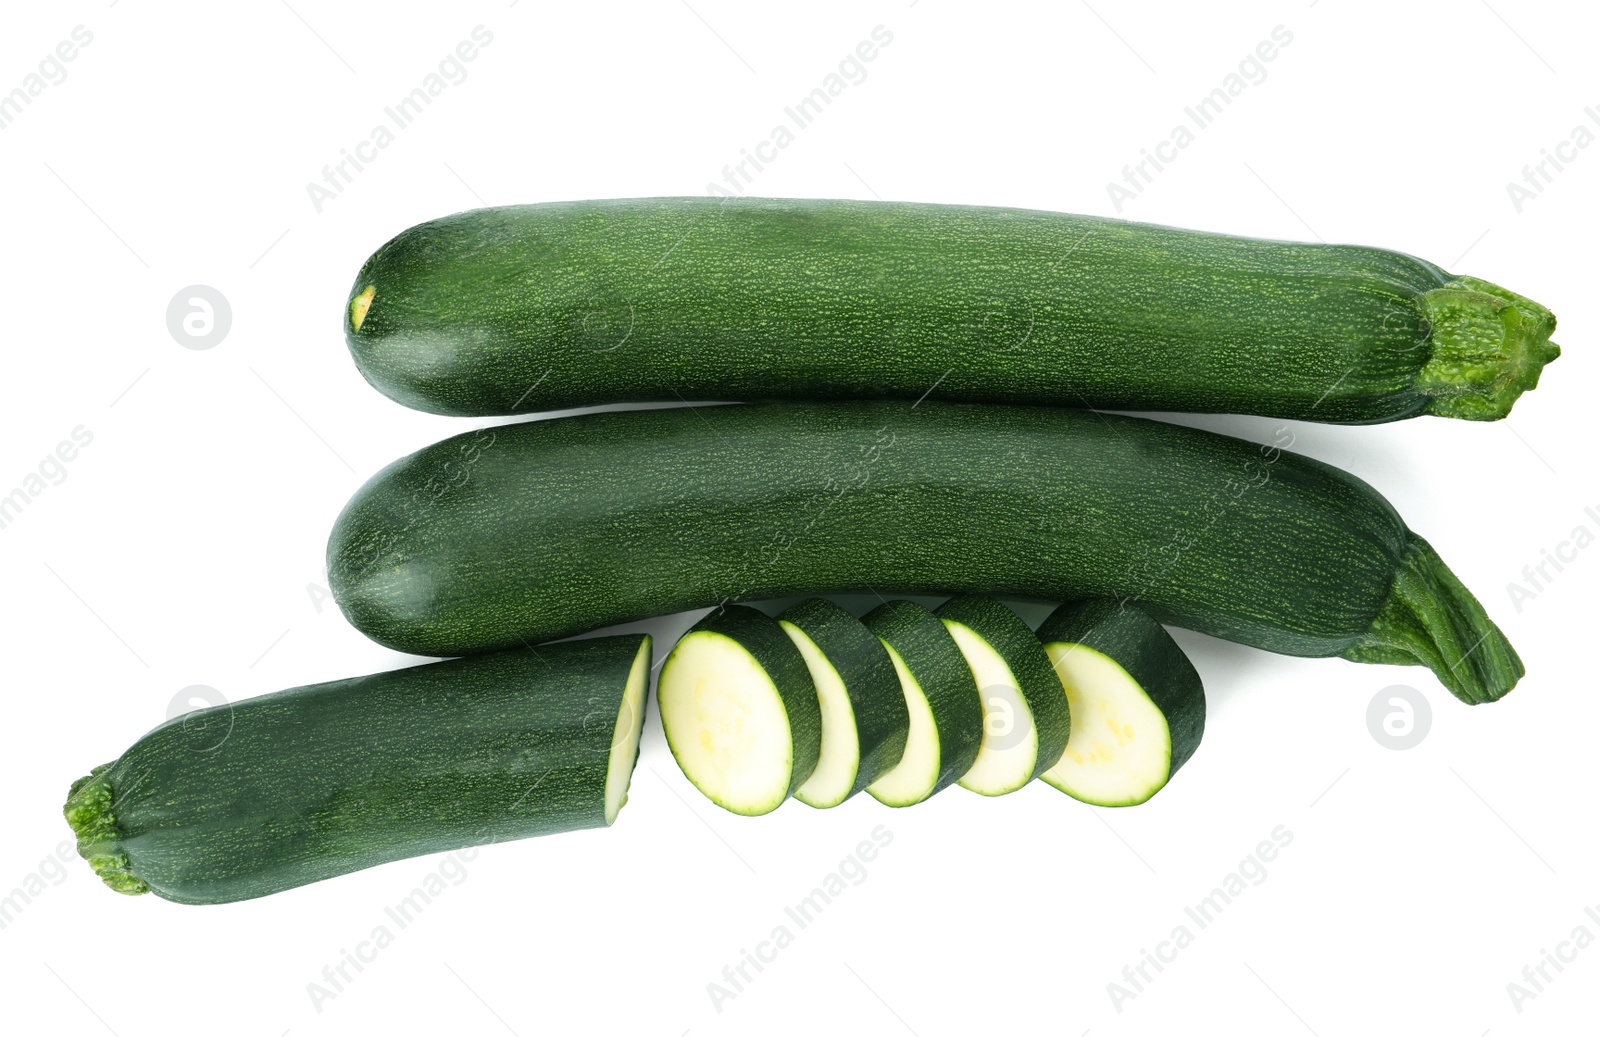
<point>199,317</point>
<point>1399,717</point>
<point>1003,728</point>
<point>207,716</point>
<point>604,322</point>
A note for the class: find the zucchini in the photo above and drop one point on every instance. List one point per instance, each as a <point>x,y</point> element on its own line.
<point>1138,707</point>
<point>574,523</point>
<point>946,730</point>
<point>327,779</point>
<point>1026,724</point>
<point>864,713</point>
<point>740,710</point>
<point>544,307</point>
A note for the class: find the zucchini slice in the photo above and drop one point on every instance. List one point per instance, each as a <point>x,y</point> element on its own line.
<point>1026,723</point>
<point>327,779</point>
<point>946,714</point>
<point>1138,707</point>
<point>864,714</point>
<point>740,710</point>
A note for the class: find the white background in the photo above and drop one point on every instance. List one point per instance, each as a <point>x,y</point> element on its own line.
<point>184,545</point>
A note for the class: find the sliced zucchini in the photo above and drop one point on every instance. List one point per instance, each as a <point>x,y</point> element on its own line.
<point>946,715</point>
<point>864,714</point>
<point>740,710</point>
<point>1026,723</point>
<point>1138,707</point>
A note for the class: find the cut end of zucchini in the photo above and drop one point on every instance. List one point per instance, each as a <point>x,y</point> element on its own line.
<point>1430,619</point>
<point>726,723</point>
<point>1010,747</point>
<point>88,811</point>
<point>625,736</point>
<point>1120,750</point>
<point>1489,347</point>
<point>830,784</point>
<point>360,305</point>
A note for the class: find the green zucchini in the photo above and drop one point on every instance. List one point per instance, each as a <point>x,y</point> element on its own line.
<point>740,710</point>
<point>864,713</point>
<point>1138,707</point>
<point>1026,723</point>
<point>574,523</point>
<point>330,778</point>
<point>544,307</point>
<point>946,713</point>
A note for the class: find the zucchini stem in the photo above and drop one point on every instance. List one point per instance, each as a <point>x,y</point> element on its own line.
<point>1489,346</point>
<point>88,811</point>
<point>1430,619</point>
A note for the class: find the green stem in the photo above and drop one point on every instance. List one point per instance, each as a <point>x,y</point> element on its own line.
<point>88,811</point>
<point>1430,619</point>
<point>1489,346</point>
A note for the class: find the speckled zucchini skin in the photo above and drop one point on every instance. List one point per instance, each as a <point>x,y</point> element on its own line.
<point>870,682</point>
<point>529,308</point>
<point>940,670</point>
<point>569,524</point>
<point>764,641</point>
<point>1126,635</point>
<point>254,797</point>
<point>1012,639</point>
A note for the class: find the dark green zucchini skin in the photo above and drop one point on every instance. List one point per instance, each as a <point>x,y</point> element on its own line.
<point>1036,679</point>
<point>761,636</point>
<point>1128,636</point>
<point>935,660</point>
<point>531,308</point>
<point>574,523</point>
<point>251,798</point>
<point>869,680</point>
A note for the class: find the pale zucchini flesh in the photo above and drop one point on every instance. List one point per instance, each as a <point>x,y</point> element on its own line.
<point>1010,739</point>
<point>1026,719</point>
<point>1120,752</point>
<point>1138,705</point>
<point>830,784</point>
<point>916,776</point>
<point>740,711</point>
<point>945,730</point>
<point>625,734</point>
<point>864,713</point>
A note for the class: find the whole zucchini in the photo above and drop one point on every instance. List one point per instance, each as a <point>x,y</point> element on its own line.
<point>567,524</point>
<point>543,307</point>
<point>327,779</point>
